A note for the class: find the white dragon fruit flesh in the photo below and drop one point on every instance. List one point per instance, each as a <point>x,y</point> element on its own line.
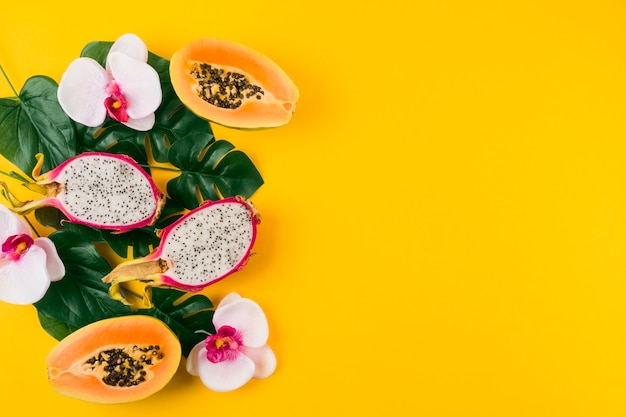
<point>106,191</point>
<point>202,247</point>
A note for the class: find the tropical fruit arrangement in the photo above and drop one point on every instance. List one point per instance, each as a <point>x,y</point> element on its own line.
<point>84,151</point>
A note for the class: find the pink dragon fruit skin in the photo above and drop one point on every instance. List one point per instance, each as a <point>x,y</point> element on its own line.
<point>101,190</point>
<point>204,246</point>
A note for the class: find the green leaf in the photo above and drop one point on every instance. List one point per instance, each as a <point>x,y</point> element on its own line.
<point>141,241</point>
<point>173,122</point>
<point>34,122</point>
<point>80,297</point>
<point>55,328</point>
<point>189,317</point>
<point>50,217</point>
<point>208,167</point>
<point>97,50</point>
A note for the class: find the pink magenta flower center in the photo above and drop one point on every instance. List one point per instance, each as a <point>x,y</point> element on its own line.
<point>16,246</point>
<point>224,345</point>
<point>115,103</point>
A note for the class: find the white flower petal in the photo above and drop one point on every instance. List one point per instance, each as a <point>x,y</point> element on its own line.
<point>194,358</point>
<point>233,296</point>
<point>130,45</point>
<point>227,375</point>
<point>11,224</point>
<point>143,124</point>
<point>82,91</point>
<point>247,317</point>
<point>264,360</point>
<point>54,265</point>
<point>139,83</point>
<point>25,281</point>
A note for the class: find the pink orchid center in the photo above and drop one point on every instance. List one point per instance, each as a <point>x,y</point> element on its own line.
<point>115,103</point>
<point>224,345</point>
<point>16,246</point>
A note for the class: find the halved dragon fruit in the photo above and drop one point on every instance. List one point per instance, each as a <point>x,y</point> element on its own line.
<point>106,191</point>
<point>202,247</point>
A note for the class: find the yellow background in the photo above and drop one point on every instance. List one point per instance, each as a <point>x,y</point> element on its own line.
<point>444,219</point>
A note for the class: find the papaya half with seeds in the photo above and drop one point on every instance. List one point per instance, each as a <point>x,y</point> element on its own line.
<point>115,360</point>
<point>232,85</point>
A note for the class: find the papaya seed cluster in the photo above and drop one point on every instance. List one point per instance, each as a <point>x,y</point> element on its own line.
<point>123,367</point>
<point>222,88</point>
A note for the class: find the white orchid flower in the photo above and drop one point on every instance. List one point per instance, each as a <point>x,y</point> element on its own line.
<point>128,89</point>
<point>27,264</point>
<point>238,351</point>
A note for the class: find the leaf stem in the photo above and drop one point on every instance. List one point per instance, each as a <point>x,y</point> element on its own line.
<point>6,77</point>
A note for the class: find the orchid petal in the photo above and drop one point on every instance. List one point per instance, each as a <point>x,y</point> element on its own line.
<point>130,45</point>
<point>247,317</point>
<point>82,91</point>
<point>143,124</point>
<point>233,296</point>
<point>195,357</point>
<point>11,224</point>
<point>25,281</point>
<point>54,265</point>
<point>263,358</point>
<point>139,83</point>
<point>227,375</point>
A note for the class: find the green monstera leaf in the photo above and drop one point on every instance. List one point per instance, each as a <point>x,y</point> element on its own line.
<point>144,240</point>
<point>54,327</point>
<point>80,297</point>
<point>34,122</point>
<point>189,317</point>
<point>173,123</point>
<point>208,167</point>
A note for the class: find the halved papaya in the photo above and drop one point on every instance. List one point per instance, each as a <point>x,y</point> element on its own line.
<point>232,85</point>
<point>115,360</point>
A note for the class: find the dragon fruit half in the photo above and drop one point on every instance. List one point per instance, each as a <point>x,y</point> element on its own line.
<point>202,247</point>
<point>106,191</point>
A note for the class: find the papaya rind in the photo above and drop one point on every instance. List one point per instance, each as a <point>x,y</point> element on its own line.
<point>65,360</point>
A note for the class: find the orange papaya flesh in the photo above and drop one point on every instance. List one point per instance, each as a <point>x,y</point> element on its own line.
<point>232,85</point>
<point>115,360</point>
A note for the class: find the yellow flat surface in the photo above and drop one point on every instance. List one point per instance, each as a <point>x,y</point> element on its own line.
<point>444,219</point>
